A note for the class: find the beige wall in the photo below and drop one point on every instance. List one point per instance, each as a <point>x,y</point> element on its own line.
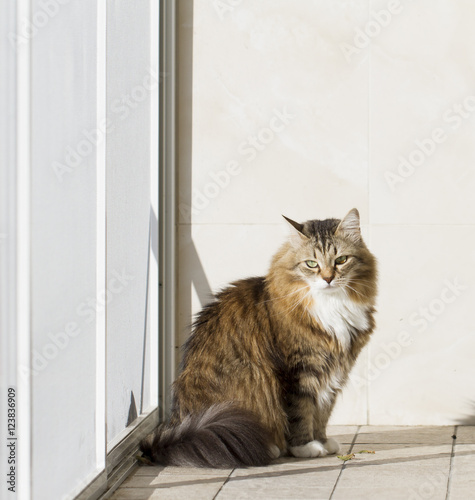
<point>291,108</point>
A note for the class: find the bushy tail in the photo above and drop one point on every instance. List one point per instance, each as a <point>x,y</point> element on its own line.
<point>221,437</point>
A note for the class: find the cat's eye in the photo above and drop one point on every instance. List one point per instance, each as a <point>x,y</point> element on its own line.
<point>312,264</point>
<point>341,260</point>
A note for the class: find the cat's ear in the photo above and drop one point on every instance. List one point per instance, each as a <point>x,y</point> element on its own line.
<point>350,226</point>
<point>296,234</point>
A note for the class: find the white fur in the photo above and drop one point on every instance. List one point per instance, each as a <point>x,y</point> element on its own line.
<point>332,446</point>
<point>274,451</point>
<point>315,449</point>
<point>325,396</point>
<point>309,450</point>
<point>351,224</point>
<point>336,312</point>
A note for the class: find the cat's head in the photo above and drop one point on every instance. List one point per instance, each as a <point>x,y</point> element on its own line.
<point>331,257</point>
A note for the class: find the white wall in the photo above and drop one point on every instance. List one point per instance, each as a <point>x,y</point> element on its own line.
<point>355,106</point>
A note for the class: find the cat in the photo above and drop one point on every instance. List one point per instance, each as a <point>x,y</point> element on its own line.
<point>266,359</point>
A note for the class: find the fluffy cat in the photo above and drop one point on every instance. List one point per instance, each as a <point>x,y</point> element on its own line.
<point>267,358</point>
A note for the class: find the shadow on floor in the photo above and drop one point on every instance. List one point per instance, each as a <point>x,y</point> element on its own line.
<point>303,470</point>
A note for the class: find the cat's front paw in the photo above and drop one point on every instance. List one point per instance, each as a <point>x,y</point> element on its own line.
<point>332,446</point>
<point>310,450</point>
<point>274,451</point>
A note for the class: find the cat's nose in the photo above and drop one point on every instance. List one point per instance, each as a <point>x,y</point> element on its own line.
<point>328,279</point>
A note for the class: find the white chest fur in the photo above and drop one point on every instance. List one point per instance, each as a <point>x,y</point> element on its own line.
<point>339,315</point>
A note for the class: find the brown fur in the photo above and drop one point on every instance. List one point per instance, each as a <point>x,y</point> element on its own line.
<point>258,347</point>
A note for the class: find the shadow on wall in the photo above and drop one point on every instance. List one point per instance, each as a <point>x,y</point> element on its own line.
<point>132,410</point>
<point>469,419</point>
<point>196,276</point>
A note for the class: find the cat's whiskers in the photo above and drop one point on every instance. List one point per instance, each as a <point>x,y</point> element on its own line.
<point>365,283</point>
<point>345,285</point>
<point>342,282</point>
<point>339,282</point>
<point>345,291</point>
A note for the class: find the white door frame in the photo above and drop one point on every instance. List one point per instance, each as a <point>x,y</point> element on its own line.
<point>168,226</point>
<point>15,196</point>
<point>15,243</point>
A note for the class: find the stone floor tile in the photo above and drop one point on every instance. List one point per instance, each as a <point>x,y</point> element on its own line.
<point>294,483</point>
<point>132,494</point>
<point>289,478</point>
<point>173,483</point>
<point>404,471</point>
<point>344,434</point>
<point>466,434</point>
<point>289,466</point>
<point>405,434</point>
<point>390,454</point>
<point>461,493</point>
<point>463,471</point>
<point>382,493</point>
<point>146,470</point>
<point>173,480</point>
<point>176,493</point>
<point>409,463</point>
<point>414,478</point>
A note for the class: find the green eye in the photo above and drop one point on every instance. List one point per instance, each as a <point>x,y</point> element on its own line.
<point>312,264</point>
<point>341,260</point>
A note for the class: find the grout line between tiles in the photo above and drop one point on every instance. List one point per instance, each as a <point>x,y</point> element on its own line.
<point>222,486</point>
<point>344,463</point>
<point>410,443</point>
<point>449,479</point>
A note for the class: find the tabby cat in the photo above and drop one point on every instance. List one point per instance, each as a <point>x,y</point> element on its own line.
<point>267,358</point>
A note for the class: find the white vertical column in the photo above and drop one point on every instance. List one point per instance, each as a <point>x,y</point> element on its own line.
<point>23,282</point>
<point>168,201</point>
<point>23,261</point>
<point>15,331</point>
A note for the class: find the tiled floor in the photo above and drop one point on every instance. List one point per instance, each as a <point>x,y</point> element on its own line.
<point>409,463</point>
